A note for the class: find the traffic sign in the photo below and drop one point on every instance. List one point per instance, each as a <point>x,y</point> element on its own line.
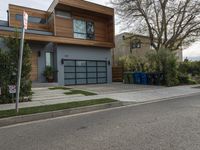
<point>25,20</point>
<point>12,89</point>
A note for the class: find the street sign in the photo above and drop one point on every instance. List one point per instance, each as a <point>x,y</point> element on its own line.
<point>25,26</point>
<point>25,20</point>
<point>12,89</point>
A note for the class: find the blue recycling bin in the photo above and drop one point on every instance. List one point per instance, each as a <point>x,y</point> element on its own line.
<point>137,77</point>
<point>143,79</point>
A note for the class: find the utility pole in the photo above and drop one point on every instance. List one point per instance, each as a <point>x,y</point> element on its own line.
<point>24,27</point>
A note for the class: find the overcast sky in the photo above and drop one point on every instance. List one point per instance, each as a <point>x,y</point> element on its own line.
<point>193,52</point>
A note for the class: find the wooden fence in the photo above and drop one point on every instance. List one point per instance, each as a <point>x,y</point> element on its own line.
<point>117,74</point>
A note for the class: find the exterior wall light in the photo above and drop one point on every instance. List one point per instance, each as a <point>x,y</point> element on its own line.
<point>108,62</point>
<point>62,61</point>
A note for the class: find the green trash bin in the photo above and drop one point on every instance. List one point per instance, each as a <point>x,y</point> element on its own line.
<point>126,81</point>
<point>128,78</point>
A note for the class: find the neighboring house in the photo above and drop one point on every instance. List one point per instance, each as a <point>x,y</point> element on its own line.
<point>133,44</point>
<point>75,37</point>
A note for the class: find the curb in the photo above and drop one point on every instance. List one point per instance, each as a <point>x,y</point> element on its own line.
<point>54,114</point>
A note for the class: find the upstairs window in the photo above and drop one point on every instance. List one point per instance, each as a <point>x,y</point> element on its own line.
<point>90,30</point>
<point>80,29</point>
<point>63,14</point>
<point>136,44</point>
<point>83,29</point>
<point>31,19</point>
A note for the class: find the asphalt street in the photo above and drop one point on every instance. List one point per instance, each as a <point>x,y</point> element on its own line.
<point>166,125</point>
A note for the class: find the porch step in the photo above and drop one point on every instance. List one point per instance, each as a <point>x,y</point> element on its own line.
<point>48,95</point>
<point>49,92</point>
<point>38,85</point>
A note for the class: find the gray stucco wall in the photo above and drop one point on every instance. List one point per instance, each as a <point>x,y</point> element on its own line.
<point>82,53</point>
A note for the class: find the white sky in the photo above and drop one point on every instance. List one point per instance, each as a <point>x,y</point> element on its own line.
<point>193,52</point>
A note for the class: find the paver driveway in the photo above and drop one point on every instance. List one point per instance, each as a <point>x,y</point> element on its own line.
<point>115,88</point>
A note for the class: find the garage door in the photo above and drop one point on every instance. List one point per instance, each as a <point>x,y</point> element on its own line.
<point>77,72</point>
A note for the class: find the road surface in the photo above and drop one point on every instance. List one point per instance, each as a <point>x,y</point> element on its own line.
<point>166,125</point>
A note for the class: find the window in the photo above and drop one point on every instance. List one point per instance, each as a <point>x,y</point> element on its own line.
<point>79,29</point>
<point>31,19</point>
<point>136,44</point>
<point>49,59</point>
<point>83,29</point>
<point>63,14</point>
<point>90,30</point>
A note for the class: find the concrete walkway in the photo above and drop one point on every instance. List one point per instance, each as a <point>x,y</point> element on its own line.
<point>136,96</point>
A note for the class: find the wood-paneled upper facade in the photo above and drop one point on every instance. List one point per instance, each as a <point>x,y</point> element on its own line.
<point>75,22</point>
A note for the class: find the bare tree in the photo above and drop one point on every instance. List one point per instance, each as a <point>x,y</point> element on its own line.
<point>168,23</point>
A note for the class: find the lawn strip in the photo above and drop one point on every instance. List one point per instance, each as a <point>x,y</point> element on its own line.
<point>59,88</point>
<point>73,92</point>
<point>49,108</point>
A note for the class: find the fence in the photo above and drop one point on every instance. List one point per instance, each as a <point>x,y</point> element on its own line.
<point>117,74</point>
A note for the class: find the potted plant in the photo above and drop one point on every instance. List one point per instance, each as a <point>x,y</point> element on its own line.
<point>48,73</point>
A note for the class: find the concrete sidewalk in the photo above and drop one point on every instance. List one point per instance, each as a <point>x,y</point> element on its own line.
<point>155,94</point>
<point>136,97</point>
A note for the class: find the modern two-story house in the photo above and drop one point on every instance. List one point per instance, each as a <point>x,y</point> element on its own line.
<point>75,37</point>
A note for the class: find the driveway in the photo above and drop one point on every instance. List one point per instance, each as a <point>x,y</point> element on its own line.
<point>114,88</point>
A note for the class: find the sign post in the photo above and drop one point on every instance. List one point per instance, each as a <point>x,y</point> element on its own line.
<point>12,90</point>
<point>24,27</point>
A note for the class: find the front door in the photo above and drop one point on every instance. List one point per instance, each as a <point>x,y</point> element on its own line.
<point>34,65</point>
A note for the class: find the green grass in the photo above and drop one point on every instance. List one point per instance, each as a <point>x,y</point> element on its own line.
<point>72,91</point>
<point>48,108</point>
<point>59,88</point>
<point>86,93</point>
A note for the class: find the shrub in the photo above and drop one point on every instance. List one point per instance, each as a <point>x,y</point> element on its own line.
<point>189,67</point>
<point>132,63</point>
<point>164,61</point>
<point>9,69</point>
<point>48,73</point>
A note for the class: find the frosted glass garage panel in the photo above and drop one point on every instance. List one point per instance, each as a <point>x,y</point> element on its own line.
<point>70,82</point>
<point>91,69</point>
<point>81,63</point>
<point>69,69</point>
<point>92,75</point>
<point>70,75</point>
<point>101,63</point>
<point>81,81</point>
<point>101,80</point>
<point>81,75</point>
<point>91,63</point>
<point>80,69</point>
<point>92,81</point>
<point>102,75</point>
<point>101,69</point>
<point>69,63</point>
